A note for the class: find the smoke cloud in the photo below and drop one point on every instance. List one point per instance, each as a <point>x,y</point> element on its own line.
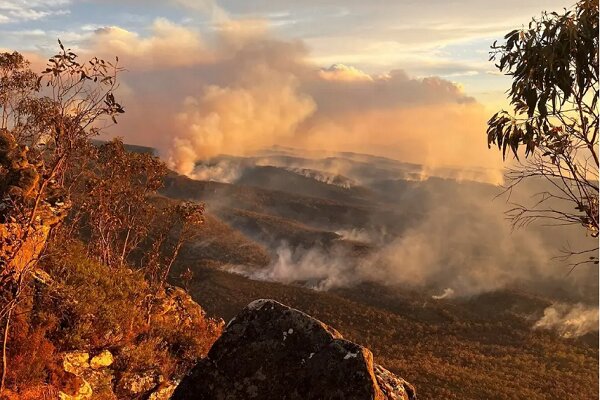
<point>222,171</point>
<point>447,293</point>
<point>259,108</point>
<point>169,46</point>
<point>461,244</point>
<point>311,267</point>
<point>341,72</point>
<point>569,320</point>
<point>455,241</point>
<point>239,89</point>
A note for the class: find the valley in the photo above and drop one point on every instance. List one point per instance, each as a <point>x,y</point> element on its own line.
<point>307,243</point>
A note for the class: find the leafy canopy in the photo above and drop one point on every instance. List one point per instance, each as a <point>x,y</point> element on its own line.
<point>554,121</point>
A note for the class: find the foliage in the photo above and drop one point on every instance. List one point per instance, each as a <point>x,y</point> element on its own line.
<point>179,223</point>
<point>116,210</point>
<point>90,298</point>
<point>554,67</point>
<point>56,112</point>
<point>90,306</point>
<point>46,119</point>
<point>109,195</point>
<point>81,96</point>
<point>17,86</point>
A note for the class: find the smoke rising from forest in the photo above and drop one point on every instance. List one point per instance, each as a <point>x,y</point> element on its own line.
<point>569,320</point>
<point>243,89</point>
<point>456,240</point>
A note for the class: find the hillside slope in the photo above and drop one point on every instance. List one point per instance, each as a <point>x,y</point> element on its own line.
<point>448,350</point>
<point>476,347</point>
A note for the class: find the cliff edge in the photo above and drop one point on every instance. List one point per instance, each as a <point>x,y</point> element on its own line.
<point>271,351</point>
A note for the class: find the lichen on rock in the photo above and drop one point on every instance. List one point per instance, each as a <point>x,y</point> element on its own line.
<point>101,360</point>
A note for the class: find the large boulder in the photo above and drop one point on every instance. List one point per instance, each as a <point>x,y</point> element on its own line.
<point>271,351</point>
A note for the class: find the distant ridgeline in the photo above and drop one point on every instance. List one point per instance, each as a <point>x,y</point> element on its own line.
<point>134,148</point>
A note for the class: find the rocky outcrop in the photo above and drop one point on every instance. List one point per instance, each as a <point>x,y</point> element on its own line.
<point>271,351</point>
<point>105,374</point>
<point>78,363</point>
<point>25,217</point>
<point>98,380</point>
<point>173,305</point>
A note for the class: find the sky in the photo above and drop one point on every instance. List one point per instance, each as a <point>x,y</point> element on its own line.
<point>407,79</point>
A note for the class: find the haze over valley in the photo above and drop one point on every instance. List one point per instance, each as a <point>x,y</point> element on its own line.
<point>299,200</point>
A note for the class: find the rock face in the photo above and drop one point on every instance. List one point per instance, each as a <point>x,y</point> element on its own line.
<point>78,364</point>
<point>271,351</point>
<point>101,374</point>
<point>98,380</point>
<point>104,359</point>
<point>25,220</point>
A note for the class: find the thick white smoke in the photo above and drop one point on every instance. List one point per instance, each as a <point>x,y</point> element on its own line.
<point>256,110</point>
<point>569,320</point>
<point>238,88</point>
<point>458,237</point>
<point>221,171</point>
<point>311,267</point>
<point>447,293</point>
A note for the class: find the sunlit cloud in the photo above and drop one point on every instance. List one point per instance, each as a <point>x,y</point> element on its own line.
<point>341,72</point>
<point>385,78</point>
<point>12,11</point>
<point>169,45</point>
<point>239,88</point>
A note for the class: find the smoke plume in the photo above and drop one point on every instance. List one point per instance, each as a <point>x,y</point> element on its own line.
<point>239,89</point>
<point>454,237</point>
<point>259,108</point>
<point>310,267</point>
<point>569,320</point>
<point>447,293</point>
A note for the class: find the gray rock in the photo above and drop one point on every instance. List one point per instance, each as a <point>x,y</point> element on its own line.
<point>271,351</point>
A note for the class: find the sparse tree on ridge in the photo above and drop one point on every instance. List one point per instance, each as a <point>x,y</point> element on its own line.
<point>45,119</point>
<point>102,205</point>
<point>553,128</point>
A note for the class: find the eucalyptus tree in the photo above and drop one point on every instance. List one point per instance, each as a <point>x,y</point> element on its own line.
<point>552,131</point>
